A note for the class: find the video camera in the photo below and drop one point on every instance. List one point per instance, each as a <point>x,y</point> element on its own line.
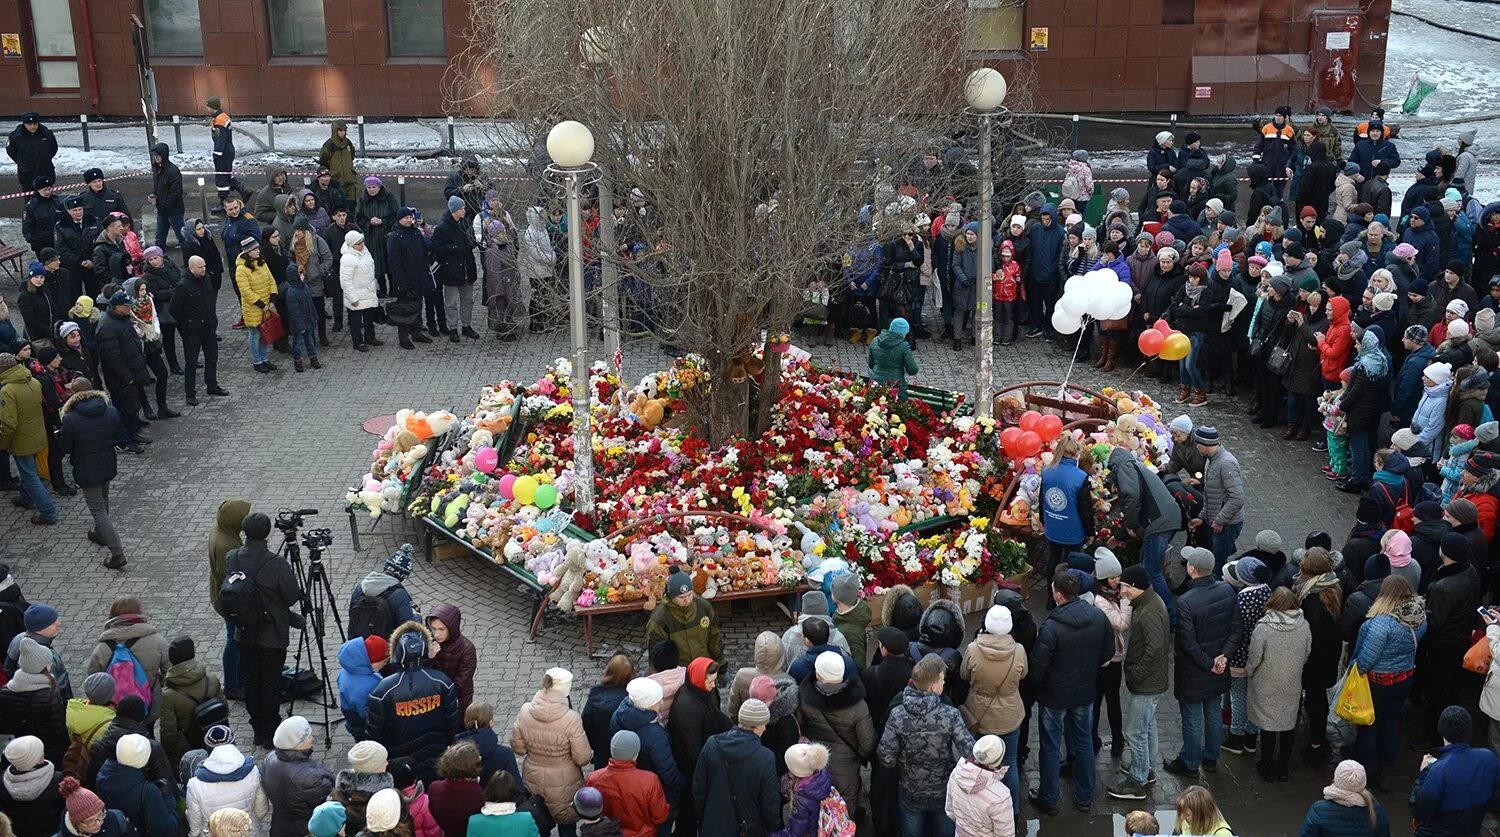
<point>290,520</point>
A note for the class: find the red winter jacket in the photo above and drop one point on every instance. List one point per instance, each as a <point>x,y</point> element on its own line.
<point>1338,341</point>
<point>632,796</point>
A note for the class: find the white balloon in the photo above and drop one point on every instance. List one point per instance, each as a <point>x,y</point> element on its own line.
<point>1109,273</point>
<point>1065,323</point>
<point>1074,303</point>
<point>1120,312</point>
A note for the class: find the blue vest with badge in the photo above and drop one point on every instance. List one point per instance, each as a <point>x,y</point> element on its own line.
<point>1061,518</point>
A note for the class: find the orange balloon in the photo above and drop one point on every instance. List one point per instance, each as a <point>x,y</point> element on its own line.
<point>1150,342</point>
<point>1049,427</point>
<point>1029,420</point>
<point>1176,347</point>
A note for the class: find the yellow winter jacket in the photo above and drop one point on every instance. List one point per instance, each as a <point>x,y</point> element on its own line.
<point>256,286</point>
<point>87,721</point>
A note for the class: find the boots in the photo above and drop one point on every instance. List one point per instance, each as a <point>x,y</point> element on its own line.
<point>1182,393</point>
<point>856,335</point>
<point>166,412</point>
<point>1291,432</point>
<point>1111,353</point>
<point>1302,434</point>
<point>870,335</point>
<point>827,335</point>
<point>148,411</point>
<point>1199,398</point>
<point>1103,355</point>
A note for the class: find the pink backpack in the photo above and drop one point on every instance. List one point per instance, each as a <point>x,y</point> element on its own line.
<point>833,817</point>
<point>128,673</point>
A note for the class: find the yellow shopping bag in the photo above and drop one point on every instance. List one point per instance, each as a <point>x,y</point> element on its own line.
<point>1354,704</point>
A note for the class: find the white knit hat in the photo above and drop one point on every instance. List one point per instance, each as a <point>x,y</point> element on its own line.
<point>989,750</point>
<point>1182,424</point>
<point>1384,301</point>
<point>1438,373</point>
<point>1106,565</point>
<point>368,757</point>
<point>133,750</point>
<point>558,680</point>
<point>383,811</point>
<point>830,667</point>
<point>1018,221</point>
<point>24,752</point>
<point>295,733</point>
<point>1403,439</point>
<point>998,621</point>
<point>1459,307</point>
<point>1458,328</point>
<point>644,693</point>
<point>803,760</point>
<point>1163,136</point>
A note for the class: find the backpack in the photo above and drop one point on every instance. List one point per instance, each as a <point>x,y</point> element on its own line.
<point>240,598</point>
<point>129,675</point>
<point>370,616</point>
<point>833,817</point>
<point>1403,517</point>
<point>76,759</point>
<point>208,712</point>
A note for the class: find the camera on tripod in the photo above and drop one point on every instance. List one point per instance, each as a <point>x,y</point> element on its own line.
<point>316,540</point>
<point>290,520</point>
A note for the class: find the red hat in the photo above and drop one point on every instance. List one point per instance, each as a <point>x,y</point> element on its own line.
<point>697,673</point>
<point>1307,212</point>
<point>1347,375</point>
<point>377,648</point>
<point>83,804</point>
<point>1463,431</point>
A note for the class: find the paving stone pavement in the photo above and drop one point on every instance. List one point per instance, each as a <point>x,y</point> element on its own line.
<point>294,441</point>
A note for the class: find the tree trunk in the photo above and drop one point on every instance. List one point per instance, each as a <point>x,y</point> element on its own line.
<point>770,390</point>
<point>728,403</point>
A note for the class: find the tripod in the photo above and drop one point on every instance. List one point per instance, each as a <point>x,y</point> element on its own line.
<point>316,601</point>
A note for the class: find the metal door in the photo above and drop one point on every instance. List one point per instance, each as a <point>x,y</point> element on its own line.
<point>1334,59</point>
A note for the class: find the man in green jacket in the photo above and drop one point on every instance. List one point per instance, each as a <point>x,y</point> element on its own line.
<point>852,616</point>
<point>688,620</point>
<point>23,435</point>
<point>1147,650</point>
<point>337,155</point>
<point>890,355</point>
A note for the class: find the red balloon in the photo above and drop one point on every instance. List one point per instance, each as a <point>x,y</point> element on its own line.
<point>1150,342</point>
<point>1029,420</point>
<point>1049,428</point>
<point>1008,438</point>
<point>1162,326</point>
<point>1030,444</point>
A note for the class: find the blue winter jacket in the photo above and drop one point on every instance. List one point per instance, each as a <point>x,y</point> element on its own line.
<point>414,712</point>
<point>357,678</point>
<point>1387,646</point>
<point>862,268</point>
<point>493,755</point>
<point>235,231</point>
<point>406,259</point>
<point>1449,797</point>
<point>1409,383</point>
<point>149,808</point>
<point>1463,239</point>
<point>1366,153</point>
<point>1067,513</point>
<point>1428,249</point>
<point>1043,265</point>
<point>656,747</point>
<point>1327,818</point>
<point>301,314</point>
<point>1427,421</point>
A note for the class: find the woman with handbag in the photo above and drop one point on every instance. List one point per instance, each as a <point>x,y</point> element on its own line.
<point>1386,654</point>
<point>1301,373</point>
<point>994,665</point>
<point>253,278</point>
<point>902,256</point>
<point>1267,331</point>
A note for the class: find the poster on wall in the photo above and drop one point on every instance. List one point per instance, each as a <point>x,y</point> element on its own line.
<point>1039,38</point>
<point>10,44</point>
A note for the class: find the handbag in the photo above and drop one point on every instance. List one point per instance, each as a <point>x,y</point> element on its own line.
<point>271,328</point>
<point>1354,703</point>
<point>894,288</point>
<point>1279,362</point>
<point>1477,658</point>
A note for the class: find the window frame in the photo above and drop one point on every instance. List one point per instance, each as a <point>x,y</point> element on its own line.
<point>156,51</point>
<point>271,17</point>
<point>390,35</point>
<point>34,58</point>
<point>975,7</point>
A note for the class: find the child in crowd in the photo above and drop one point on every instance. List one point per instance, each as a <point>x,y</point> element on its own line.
<point>1141,824</point>
<point>1008,294</point>
<point>1336,430</point>
<point>1460,442</point>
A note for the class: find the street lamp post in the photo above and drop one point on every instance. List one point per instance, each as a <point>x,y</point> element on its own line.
<point>570,144</point>
<point>985,90</point>
<point>595,48</point>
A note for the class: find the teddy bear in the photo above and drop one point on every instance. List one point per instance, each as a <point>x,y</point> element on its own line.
<point>367,495</point>
<point>570,580</point>
<point>650,412</point>
<point>603,560</point>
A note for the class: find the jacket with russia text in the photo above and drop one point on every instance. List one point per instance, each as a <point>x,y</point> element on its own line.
<point>414,712</point>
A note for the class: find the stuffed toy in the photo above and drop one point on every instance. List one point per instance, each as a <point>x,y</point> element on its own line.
<point>570,580</point>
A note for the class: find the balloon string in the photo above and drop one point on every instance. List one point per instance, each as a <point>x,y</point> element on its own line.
<point>1074,359</point>
<point>1136,372</point>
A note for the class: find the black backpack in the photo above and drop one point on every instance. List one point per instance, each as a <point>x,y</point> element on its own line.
<point>370,616</point>
<point>209,712</point>
<point>240,598</point>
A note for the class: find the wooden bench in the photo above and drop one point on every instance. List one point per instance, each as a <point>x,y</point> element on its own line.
<point>10,261</point>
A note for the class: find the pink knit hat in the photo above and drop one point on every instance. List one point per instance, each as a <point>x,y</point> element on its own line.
<point>83,804</point>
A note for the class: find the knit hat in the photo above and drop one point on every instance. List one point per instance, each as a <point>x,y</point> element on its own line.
<point>373,181</point>
<point>1367,511</point>
<point>398,565</point>
<point>46,354</point>
<point>133,750</point>
<point>1249,569</point>
<point>455,203</point>
<point>1162,137</point>
<point>1268,540</point>
<point>7,360</point>
<point>1404,251</point>
<point>131,708</point>
<point>377,648</point>
<point>383,811</point>
<point>1292,234</point>
<point>644,693</point>
<point>892,639</point>
<point>1427,510</point>
<point>230,822</point>
<point>250,242</point>
<point>1182,424</point>
<point>1165,239</point>
<point>368,757</point>
<point>829,666</point>
<point>1484,320</point>
<point>814,603</point>
<point>664,655</point>
<point>152,252</point>
<point>1458,306</point>
<point>353,237</point>
<point>35,657</point>
<point>36,269</point>
<point>39,617</point>
<point>218,735</point>
<point>99,688</point>
<point>1135,576</point>
<point>327,820</point>
<point>1018,221</point>
<point>558,681</point>
<point>1479,466</point>
<point>1204,434</point>
<point>763,689</point>
<point>754,713</point>
<point>1119,195</point>
<point>998,621</point>
<point>1224,262</point>
<point>1439,373</point>
<point>803,760</point>
<point>845,589</point>
<point>1418,287</point>
<point>24,753</point>
<point>1403,439</point>
<point>678,583</point>
<point>1487,432</point>
<point>900,326</point>
<point>1455,725</point>
<point>1191,137</point>
<point>989,751</point>
<point>293,734</point>
<point>1106,565</point>
<point>67,328</point>
<point>1385,301</point>
<point>1198,558</point>
<point>588,803</point>
<point>180,650</point>
<point>1463,431</point>
<point>1463,510</point>
<point>82,803</point>
<point>1416,333</point>
<point>625,745</point>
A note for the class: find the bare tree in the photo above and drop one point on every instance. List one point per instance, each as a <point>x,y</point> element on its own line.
<point>755,130</point>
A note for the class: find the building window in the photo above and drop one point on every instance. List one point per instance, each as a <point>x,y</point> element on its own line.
<point>53,49</point>
<point>995,26</point>
<point>297,28</point>
<point>174,27</point>
<point>415,27</point>
<point>1178,11</point>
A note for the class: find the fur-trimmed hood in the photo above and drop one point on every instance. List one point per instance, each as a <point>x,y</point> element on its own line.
<point>79,397</point>
<point>901,609</point>
<point>409,644</point>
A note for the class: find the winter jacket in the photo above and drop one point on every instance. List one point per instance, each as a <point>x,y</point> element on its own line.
<point>382,205</point>
<point>337,155</point>
<point>295,784</point>
<point>457,657</point>
<point>1367,153</point>
<point>549,734</point>
<point>30,705</point>
<point>32,800</point>
<point>1206,628</point>
<point>494,755</point>
<point>226,779</point>
<point>320,269</point>
<point>884,683</point>
<point>300,314</point>
<point>1454,594</point>
<point>1338,341</point>
<point>148,805</point>
<point>386,586</point>
<point>166,182</point>
<point>598,709</point>
<point>854,625</point>
<point>453,801</point>
<point>840,720</point>
<point>1327,818</point>
<point>357,678</point>
<point>419,808</point>
<point>121,356</point>
<point>453,247</point>
<point>32,152</point>
<point>633,797</point>
<point>103,750</point>
<point>685,626</point>
<point>1387,645</point>
<point>1072,643</point>
<point>1146,652</point>
<point>1206,313</point>
<point>406,260</point>
<point>736,757</point>
<point>1249,607</point>
<point>1450,795</point>
<point>925,739</point>
<point>277,588</point>
<point>23,431</point>
<point>357,278</point>
<point>1322,666</point>
<point>413,712</point>
<point>501,819</point>
<point>770,660</point>
<point>42,309</point>
<point>535,256</point>
<point>264,201</point>
<point>695,718</point>
<point>1425,239</point>
<point>1046,244</point>
<point>891,360</point>
<point>1429,418</point>
<point>965,269</point>
<point>783,729</point>
<point>144,642</point>
<point>978,801</point>
<point>101,204</point>
<point>1161,288</point>
<point>1317,180</point>
<point>1067,510</point>
<point>806,805</point>
<point>185,685</point>
<point>1408,388</point>
<point>1148,507</point>
<point>353,789</point>
<point>993,666</point>
<point>1279,647</point>
<point>656,747</point>
<point>1223,489</point>
<point>256,286</point>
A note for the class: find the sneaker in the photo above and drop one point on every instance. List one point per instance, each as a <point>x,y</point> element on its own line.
<point>1233,743</point>
<point>376,341</point>
<point>1250,742</point>
<point>1033,332</point>
<point>419,337</point>
<point>297,365</point>
<point>361,348</point>
<point>43,520</point>
<point>470,333</point>
<point>1126,788</point>
<point>94,536</point>
<point>1210,765</point>
<point>1321,446</point>
<point>453,337</point>
<point>262,368</point>
<point>130,448</point>
<point>191,400</point>
<point>315,363</point>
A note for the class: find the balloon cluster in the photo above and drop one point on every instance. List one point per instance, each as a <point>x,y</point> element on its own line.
<point>1034,431</point>
<point>528,491</point>
<point>1163,341</point>
<point>1099,294</point>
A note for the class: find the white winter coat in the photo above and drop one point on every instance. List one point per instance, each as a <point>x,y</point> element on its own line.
<point>537,259</point>
<point>223,781</point>
<point>1489,699</point>
<point>357,278</point>
<point>979,802</point>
